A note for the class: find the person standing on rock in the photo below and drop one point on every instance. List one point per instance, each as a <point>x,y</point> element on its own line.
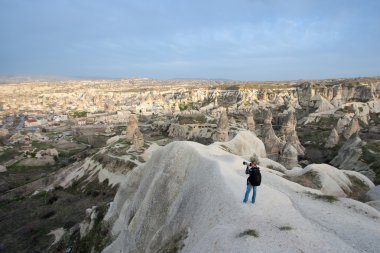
<point>253,180</point>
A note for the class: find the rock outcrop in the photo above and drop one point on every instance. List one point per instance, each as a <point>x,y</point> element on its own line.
<point>273,144</point>
<point>289,156</point>
<point>331,180</point>
<point>374,196</point>
<point>349,154</point>
<point>245,143</point>
<point>288,129</point>
<point>305,93</point>
<point>4,132</point>
<point>134,135</point>
<point>3,168</point>
<point>223,127</point>
<point>251,122</point>
<point>343,123</point>
<point>132,127</point>
<point>138,139</point>
<point>333,139</point>
<point>52,152</point>
<point>352,128</point>
<point>374,193</point>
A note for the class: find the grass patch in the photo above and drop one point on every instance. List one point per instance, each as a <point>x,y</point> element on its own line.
<point>326,198</point>
<point>347,109</point>
<point>192,119</point>
<point>8,154</point>
<point>309,179</point>
<point>41,145</point>
<point>314,136</point>
<point>249,232</point>
<point>187,106</point>
<point>26,221</point>
<point>175,244</point>
<point>96,141</point>
<point>358,189</point>
<point>95,240</point>
<point>225,148</point>
<point>285,228</point>
<point>22,168</point>
<point>371,156</point>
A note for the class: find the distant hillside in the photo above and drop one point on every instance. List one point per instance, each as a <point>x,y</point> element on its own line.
<point>4,79</point>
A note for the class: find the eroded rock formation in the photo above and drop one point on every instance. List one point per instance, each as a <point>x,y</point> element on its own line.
<point>352,128</point>
<point>349,154</point>
<point>333,139</point>
<point>288,129</point>
<point>223,127</point>
<point>273,144</point>
<point>134,135</point>
<point>289,156</point>
<point>251,122</point>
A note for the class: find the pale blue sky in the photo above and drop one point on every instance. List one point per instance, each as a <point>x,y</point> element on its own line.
<point>231,39</point>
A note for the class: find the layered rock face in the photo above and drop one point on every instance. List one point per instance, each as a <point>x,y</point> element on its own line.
<point>348,157</point>
<point>273,144</point>
<point>320,95</point>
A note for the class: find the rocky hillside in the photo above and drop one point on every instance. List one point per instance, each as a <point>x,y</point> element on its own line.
<point>173,155</point>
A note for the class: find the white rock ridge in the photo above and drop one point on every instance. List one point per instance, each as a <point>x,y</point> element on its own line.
<point>189,196</point>
<point>245,143</point>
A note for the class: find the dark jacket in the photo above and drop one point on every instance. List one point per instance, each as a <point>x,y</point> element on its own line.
<point>251,171</point>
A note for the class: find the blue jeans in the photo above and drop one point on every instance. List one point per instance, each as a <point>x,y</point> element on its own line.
<point>249,187</point>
